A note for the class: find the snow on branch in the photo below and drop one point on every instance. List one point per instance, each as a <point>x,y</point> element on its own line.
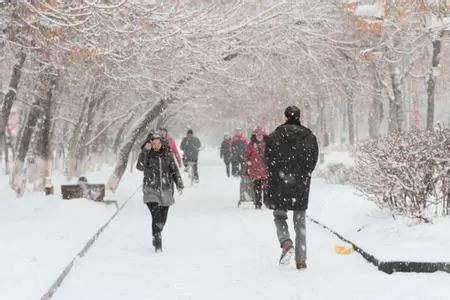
<point>405,172</point>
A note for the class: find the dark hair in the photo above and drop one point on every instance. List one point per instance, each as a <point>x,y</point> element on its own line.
<point>190,131</point>
<point>292,113</point>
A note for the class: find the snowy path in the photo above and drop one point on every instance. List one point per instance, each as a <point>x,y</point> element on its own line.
<point>214,250</point>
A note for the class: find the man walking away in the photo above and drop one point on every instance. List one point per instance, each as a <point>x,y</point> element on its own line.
<point>225,152</point>
<point>291,156</point>
<point>190,145</point>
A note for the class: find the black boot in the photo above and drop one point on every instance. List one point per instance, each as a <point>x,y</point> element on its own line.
<point>157,242</point>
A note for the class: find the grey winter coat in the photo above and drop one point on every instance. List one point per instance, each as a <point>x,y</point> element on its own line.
<point>160,175</point>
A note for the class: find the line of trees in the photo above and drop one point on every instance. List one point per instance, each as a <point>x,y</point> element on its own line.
<point>88,79</point>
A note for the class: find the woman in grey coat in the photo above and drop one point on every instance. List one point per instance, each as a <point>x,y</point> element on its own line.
<point>160,175</point>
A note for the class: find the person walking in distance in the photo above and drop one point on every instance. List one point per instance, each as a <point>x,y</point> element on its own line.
<point>291,156</point>
<point>160,175</point>
<point>238,146</point>
<point>191,145</point>
<point>225,152</point>
<point>172,145</point>
<point>254,164</point>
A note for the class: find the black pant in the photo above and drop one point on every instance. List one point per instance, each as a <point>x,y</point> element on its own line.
<point>258,188</point>
<point>236,168</point>
<point>227,166</point>
<point>194,165</point>
<point>159,216</point>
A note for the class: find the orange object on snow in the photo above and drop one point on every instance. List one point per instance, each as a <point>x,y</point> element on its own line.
<point>344,249</point>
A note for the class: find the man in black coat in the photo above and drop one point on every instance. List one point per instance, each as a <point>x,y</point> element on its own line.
<point>190,145</point>
<point>291,156</point>
<point>225,152</point>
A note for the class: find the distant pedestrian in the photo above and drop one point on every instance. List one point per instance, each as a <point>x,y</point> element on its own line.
<point>225,152</point>
<point>172,145</point>
<point>255,166</point>
<point>190,145</point>
<point>238,146</point>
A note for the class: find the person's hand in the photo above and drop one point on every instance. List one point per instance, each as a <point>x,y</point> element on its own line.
<point>148,146</point>
<point>180,191</point>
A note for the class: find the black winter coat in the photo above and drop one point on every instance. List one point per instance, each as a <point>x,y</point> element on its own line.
<point>160,175</point>
<point>225,151</point>
<point>291,156</point>
<point>191,146</point>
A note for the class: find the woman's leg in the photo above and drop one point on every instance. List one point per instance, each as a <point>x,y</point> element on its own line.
<point>159,218</point>
<point>154,211</point>
<point>257,187</point>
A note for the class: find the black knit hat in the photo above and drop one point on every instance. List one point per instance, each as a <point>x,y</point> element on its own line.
<point>292,113</point>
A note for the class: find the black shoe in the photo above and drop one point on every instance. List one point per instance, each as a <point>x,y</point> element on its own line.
<point>157,242</point>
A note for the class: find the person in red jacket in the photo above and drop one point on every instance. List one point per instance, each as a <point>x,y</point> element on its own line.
<point>254,164</point>
<point>172,145</point>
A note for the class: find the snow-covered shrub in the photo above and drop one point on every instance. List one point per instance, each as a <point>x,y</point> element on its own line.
<point>406,172</point>
<point>337,167</point>
<point>335,173</point>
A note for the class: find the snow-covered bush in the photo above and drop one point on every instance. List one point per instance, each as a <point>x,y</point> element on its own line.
<point>406,172</point>
<point>337,167</point>
<point>335,173</point>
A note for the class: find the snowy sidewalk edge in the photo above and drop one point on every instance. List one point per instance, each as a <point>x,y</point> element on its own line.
<point>390,267</point>
<point>54,287</point>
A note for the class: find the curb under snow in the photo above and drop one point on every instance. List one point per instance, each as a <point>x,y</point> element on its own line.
<point>54,287</point>
<point>390,267</point>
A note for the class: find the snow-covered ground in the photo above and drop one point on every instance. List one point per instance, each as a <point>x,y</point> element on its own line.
<point>212,248</point>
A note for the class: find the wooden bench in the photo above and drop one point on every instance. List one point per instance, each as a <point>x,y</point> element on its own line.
<point>89,191</point>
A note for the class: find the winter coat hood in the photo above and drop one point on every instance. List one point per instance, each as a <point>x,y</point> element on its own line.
<point>292,131</point>
<point>258,130</point>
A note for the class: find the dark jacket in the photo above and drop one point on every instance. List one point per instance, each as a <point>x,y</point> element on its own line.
<point>190,146</point>
<point>291,156</point>
<point>160,174</point>
<point>225,150</point>
<point>238,146</point>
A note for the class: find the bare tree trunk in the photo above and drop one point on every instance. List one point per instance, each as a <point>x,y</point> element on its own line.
<point>395,103</point>
<point>87,131</point>
<point>6,151</point>
<point>350,114</point>
<point>45,86</point>
<point>99,148</point>
<point>323,126</point>
<point>119,134</point>
<point>23,146</point>
<point>431,82</point>
<point>126,148</point>
<point>73,144</point>
<point>12,92</point>
<point>376,108</point>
